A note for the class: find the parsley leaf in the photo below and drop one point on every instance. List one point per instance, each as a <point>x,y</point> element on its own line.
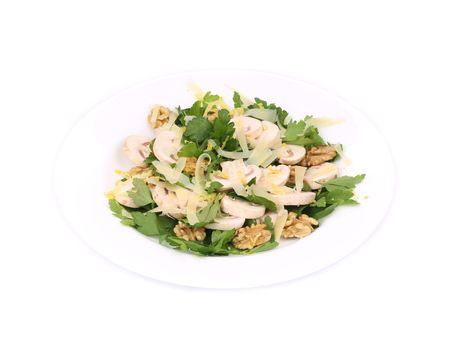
<point>222,128</point>
<point>221,238</point>
<point>214,186</point>
<point>262,201</point>
<point>120,212</point>
<point>208,98</point>
<point>150,224</point>
<point>298,133</point>
<point>141,196</point>
<point>237,100</point>
<point>198,129</point>
<point>190,149</point>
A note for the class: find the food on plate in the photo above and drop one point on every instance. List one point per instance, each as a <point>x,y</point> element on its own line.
<point>220,180</point>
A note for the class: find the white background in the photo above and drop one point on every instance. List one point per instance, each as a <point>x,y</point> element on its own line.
<point>58,59</point>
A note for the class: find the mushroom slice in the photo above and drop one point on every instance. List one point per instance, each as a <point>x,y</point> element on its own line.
<point>275,175</point>
<point>137,149</point>
<point>252,127</point>
<point>169,202</point>
<point>270,136</point>
<point>121,193</point>
<point>226,223</point>
<point>241,209</point>
<point>236,172</point>
<point>292,154</point>
<point>166,146</point>
<point>318,175</point>
<point>295,198</point>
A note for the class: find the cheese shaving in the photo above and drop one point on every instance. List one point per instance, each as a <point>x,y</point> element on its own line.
<point>280,223</point>
<point>299,177</point>
<point>262,114</point>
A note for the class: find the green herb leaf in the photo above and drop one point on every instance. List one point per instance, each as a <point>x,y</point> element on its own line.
<point>220,238</point>
<point>197,109</point>
<point>142,195</point>
<point>237,100</point>
<point>208,98</point>
<point>348,182</point>
<point>198,129</point>
<point>262,201</point>
<point>214,186</point>
<point>147,223</point>
<point>189,150</point>
<point>298,133</point>
<point>222,128</point>
<point>208,213</point>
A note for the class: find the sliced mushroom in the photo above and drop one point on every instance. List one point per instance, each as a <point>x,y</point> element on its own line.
<point>121,193</point>
<point>270,136</point>
<point>252,127</point>
<point>226,223</point>
<point>318,175</point>
<point>137,148</point>
<point>241,209</point>
<point>275,175</point>
<point>166,146</point>
<point>236,171</point>
<point>292,154</point>
<point>172,203</point>
<point>295,198</point>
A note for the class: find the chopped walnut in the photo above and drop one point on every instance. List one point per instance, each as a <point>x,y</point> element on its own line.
<point>212,114</point>
<point>298,227</point>
<point>158,116</point>
<point>251,236</point>
<point>189,168</point>
<point>139,170</point>
<point>187,233</point>
<point>318,155</point>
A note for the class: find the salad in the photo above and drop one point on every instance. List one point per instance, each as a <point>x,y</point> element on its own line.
<point>220,180</point>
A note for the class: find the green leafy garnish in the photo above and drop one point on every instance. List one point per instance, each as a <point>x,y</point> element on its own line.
<point>262,201</point>
<point>222,129</point>
<point>190,149</point>
<point>208,97</point>
<point>198,129</point>
<point>208,213</point>
<point>237,100</point>
<point>142,195</point>
<point>299,133</point>
<point>214,186</point>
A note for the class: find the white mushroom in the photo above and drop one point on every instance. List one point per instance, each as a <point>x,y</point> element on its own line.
<point>292,154</point>
<point>241,209</point>
<point>275,175</point>
<point>121,193</point>
<point>166,146</point>
<point>173,203</point>
<point>236,171</point>
<point>317,175</point>
<point>226,223</point>
<point>270,136</point>
<point>252,127</point>
<point>295,198</point>
<point>136,148</point>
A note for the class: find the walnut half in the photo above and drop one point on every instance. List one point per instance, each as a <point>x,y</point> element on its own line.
<point>189,168</point>
<point>298,227</point>
<point>187,233</point>
<point>318,155</point>
<point>251,236</point>
<point>158,116</point>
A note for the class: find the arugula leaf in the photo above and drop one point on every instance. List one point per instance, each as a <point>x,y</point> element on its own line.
<point>221,238</point>
<point>237,100</point>
<point>190,149</point>
<point>191,246</point>
<point>142,195</point>
<point>264,247</point>
<point>342,182</point>
<point>319,213</point>
<point>262,201</point>
<point>252,181</point>
<point>232,145</point>
<point>166,225</point>
<point>198,129</point>
<point>120,212</point>
<point>214,186</point>
<point>208,213</point>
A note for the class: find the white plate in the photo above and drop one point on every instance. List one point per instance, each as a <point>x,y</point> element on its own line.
<point>92,151</point>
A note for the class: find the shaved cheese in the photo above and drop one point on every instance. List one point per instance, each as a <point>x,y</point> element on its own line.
<point>299,177</point>
<point>191,210</point>
<point>239,188</point>
<point>240,133</point>
<point>280,223</point>
<point>227,154</point>
<point>171,121</point>
<point>271,158</point>
<point>200,180</point>
<point>155,181</point>
<point>343,156</point>
<point>172,175</point>
<point>320,122</point>
<point>195,89</point>
<point>262,114</point>
<point>259,154</point>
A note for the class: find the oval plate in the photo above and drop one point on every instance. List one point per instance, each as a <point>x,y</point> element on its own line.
<point>85,166</point>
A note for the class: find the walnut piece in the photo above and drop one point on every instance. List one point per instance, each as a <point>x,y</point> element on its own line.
<point>251,236</point>
<point>298,227</point>
<point>318,155</point>
<point>158,116</point>
<point>291,177</point>
<point>187,233</point>
<point>212,114</point>
<point>189,168</point>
